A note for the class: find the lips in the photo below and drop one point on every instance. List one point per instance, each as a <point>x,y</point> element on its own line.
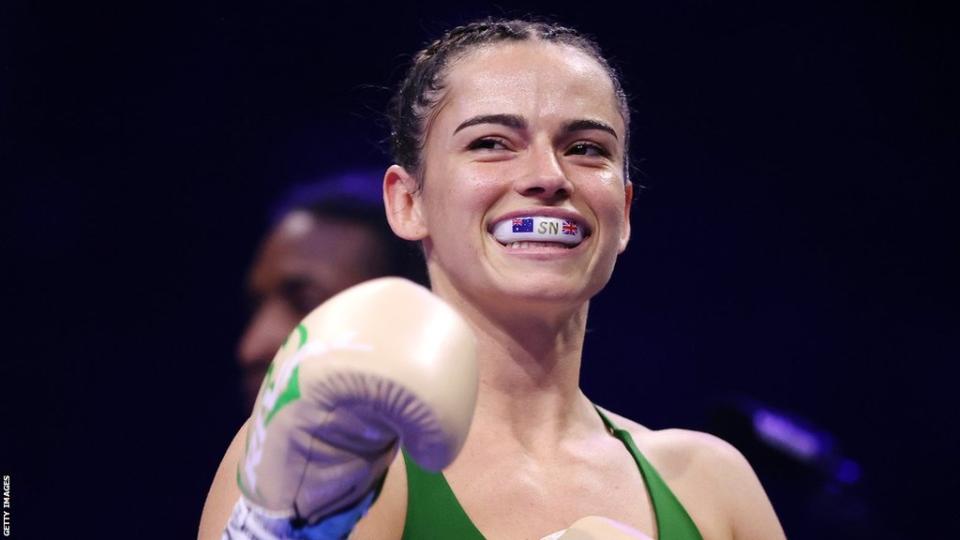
<point>539,230</point>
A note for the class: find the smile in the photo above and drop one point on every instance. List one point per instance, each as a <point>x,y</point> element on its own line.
<point>526,232</point>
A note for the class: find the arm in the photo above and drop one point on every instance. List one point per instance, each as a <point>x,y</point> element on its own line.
<point>752,515</point>
<point>380,363</point>
<point>723,479</point>
<point>387,516</point>
<point>384,521</point>
<point>224,492</point>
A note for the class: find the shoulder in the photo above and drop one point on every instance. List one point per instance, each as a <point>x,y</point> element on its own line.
<point>385,519</point>
<point>713,480</point>
<point>677,451</point>
<point>687,457</point>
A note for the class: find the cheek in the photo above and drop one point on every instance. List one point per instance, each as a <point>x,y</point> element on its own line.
<point>605,188</point>
<point>609,205</point>
<point>463,194</point>
<point>611,179</point>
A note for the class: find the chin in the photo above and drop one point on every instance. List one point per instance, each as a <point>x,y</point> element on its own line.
<point>545,291</point>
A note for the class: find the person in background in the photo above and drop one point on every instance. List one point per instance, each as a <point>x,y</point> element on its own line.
<point>324,236</point>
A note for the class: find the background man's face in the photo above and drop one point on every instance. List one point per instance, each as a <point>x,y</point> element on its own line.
<point>303,261</point>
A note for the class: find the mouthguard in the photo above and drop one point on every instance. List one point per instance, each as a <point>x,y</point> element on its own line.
<point>538,229</point>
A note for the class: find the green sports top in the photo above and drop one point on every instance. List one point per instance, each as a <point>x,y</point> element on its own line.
<point>433,510</point>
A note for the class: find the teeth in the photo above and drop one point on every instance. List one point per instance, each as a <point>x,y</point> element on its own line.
<point>538,230</point>
<point>525,245</point>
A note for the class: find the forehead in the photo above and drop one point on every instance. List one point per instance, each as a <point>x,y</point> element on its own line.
<point>530,78</point>
<point>323,249</point>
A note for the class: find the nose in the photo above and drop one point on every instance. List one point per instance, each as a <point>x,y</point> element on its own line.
<point>264,335</point>
<point>268,327</point>
<point>545,178</point>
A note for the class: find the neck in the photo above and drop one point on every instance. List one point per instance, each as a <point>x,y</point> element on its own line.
<point>529,363</point>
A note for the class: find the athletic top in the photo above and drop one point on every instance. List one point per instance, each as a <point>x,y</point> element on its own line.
<point>434,512</point>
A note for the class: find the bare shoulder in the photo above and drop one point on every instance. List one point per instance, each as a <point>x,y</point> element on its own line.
<point>676,453</point>
<point>712,479</point>
<point>385,519</point>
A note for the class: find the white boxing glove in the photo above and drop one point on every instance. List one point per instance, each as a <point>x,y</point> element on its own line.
<point>382,363</point>
<point>598,528</point>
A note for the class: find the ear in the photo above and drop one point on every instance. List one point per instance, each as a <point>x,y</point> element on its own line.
<point>401,198</point>
<point>627,204</point>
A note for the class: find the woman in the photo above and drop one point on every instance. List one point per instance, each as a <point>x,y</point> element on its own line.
<point>502,123</point>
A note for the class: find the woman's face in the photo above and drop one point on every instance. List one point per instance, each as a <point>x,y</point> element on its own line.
<point>524,129</point>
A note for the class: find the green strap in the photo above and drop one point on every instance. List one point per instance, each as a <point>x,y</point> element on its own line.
<point>673,521</point>
<point>432,508</point>
<point>434,512</point>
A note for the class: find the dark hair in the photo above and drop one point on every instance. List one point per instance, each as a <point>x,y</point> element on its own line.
<point>354,197</point>
<point>421,88</point>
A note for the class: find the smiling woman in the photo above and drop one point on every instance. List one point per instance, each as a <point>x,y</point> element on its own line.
<point>511,169</point>
<point>538,121</point>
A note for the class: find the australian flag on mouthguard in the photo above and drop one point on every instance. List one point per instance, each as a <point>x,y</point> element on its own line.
<point>523,224</point>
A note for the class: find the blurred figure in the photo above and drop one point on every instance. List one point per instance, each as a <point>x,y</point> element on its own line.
<point>323,238</point>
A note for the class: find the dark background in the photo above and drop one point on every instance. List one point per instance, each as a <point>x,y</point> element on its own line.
<point>793,244</point>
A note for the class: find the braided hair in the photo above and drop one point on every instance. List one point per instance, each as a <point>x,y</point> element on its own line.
<point>423,86</point>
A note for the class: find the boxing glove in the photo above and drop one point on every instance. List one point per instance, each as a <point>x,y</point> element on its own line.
<point>598,528</point>
<point>380,364</point>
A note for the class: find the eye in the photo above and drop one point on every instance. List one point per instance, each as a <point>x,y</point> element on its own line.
<point>488,143</point>
<point>302,295</point>
<point>587,149</point>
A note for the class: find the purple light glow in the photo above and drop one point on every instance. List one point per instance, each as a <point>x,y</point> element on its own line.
<point>781,432</point>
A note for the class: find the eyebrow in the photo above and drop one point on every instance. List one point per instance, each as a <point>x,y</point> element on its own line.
<point>518,122</point>
<point>508,120</point>
<point>586,125</point>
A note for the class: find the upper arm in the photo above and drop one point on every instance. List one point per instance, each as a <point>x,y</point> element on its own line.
<point>713,480</point>
<point>723,475</point>
<point>751,514</point>
<point>386,518</point>
<point>224,491</point>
